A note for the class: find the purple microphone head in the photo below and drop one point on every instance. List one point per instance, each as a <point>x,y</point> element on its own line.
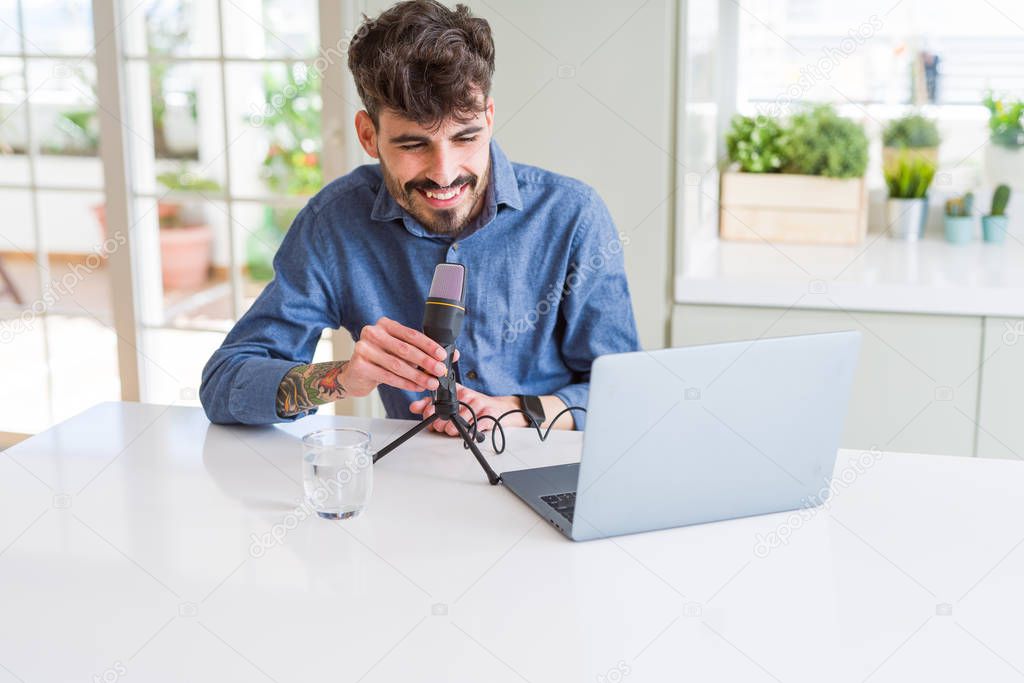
<point>449,282</point>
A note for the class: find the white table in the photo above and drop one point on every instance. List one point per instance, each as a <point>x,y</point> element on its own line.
<point>127,551</point>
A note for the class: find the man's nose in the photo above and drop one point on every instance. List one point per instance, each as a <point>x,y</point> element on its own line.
<point>444,167</point>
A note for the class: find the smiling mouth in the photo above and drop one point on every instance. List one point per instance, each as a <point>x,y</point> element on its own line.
<point>444,198</point>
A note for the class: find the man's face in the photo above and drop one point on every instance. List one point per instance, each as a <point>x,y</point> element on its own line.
<point>439,176</point>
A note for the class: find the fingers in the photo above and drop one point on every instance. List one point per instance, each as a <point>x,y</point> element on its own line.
<point>444,426</point>
<point>417,406</point>
<point>421,346</point>
<point>425,407</point>
<point>412,356</point>
<point>478,402</point>
<point>368,375</point>
<point>398,367</point>
<point>466,394</point>
<point>400,351</point>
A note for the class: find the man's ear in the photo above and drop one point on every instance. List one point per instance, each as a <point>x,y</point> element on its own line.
<point>489,114</point>
<point>366,132</point>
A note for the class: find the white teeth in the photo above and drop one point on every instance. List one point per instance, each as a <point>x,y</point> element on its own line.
<point>443,196</point>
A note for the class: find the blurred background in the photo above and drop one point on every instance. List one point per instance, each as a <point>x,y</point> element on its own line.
<point>774,166</point>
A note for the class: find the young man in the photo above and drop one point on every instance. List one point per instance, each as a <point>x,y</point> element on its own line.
<point>546,288</point>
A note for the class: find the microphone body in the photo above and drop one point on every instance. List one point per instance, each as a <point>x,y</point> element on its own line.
<point>442,321</point>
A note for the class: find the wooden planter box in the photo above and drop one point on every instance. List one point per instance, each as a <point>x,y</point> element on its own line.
<point>780,207</point>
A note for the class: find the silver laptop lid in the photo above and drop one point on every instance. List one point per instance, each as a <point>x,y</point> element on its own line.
<point>704,433</point>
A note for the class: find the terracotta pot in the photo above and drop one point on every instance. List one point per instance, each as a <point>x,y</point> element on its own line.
<point>165,211</point>
<point>184,251</point>
<point>185,256</point>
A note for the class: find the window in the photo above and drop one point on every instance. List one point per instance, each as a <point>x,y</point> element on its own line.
<point>876,60</point>
<point>58,350</point>
<point>229,150</point>
<point>217,106</point>
<point>869,52</point>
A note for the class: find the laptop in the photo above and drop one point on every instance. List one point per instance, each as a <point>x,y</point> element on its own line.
<point>700,434</point>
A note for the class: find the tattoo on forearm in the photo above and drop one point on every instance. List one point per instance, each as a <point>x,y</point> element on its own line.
<point>307,386</point>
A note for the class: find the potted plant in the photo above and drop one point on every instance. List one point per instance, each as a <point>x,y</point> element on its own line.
<point>906,210</point>
<point>796,180</point>
<point>756,144</point>
<point>1004,155</point>
<point>913,134</point>
<point>291,166</point>
<point>185,237</point>
<point>959,224</point>
<point>993,226</point>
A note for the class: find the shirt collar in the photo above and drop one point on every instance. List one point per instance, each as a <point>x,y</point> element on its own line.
<point>503,189</point>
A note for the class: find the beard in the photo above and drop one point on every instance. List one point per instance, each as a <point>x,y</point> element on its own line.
<point>439,221</point>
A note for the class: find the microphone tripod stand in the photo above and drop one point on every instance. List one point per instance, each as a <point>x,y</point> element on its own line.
<point>446,407</point>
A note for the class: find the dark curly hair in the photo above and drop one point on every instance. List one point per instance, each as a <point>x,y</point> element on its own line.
<point>423,61</point>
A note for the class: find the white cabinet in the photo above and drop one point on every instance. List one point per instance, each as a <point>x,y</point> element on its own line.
<point>1000,423</point>
<point>916,387</point>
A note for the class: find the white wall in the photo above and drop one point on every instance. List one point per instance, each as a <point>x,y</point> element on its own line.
<point>584,88</point>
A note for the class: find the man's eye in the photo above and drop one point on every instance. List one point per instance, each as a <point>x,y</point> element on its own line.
<point>409,148</point>
<point>469,139</point>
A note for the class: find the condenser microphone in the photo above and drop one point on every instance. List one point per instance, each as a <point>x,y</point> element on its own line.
<point>442,321</point>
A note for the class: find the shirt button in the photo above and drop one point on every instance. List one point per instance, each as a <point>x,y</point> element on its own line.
<point>471,374</point>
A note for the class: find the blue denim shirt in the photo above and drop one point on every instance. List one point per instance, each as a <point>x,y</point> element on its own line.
<point>546,290</point>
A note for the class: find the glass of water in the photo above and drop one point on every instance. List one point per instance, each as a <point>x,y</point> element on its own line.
<point>337,472</point>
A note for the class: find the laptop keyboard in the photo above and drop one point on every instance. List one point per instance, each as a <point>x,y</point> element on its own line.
<point>563,503</point>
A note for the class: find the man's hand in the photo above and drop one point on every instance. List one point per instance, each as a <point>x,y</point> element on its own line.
<point>393,354</point>
<point>495,406</point>
<point>482,404</point>
<point>386,353</point>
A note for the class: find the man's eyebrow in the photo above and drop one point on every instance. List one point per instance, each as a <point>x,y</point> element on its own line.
<point>468,130</point>
<point>410,137</point>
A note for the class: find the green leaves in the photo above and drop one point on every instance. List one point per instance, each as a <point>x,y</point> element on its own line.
<point>816,141</point>
<point>1004,121</point>
<point>756,144</point>
<point>913,132</point>
<point>1000,198</point>
<point>958,207</point>
<point>823,143</point>
<point>909,178</point>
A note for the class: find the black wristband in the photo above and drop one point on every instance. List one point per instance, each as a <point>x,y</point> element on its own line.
<point>533,407</point>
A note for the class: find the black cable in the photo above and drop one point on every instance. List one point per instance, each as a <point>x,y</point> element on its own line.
<point>498,429</point>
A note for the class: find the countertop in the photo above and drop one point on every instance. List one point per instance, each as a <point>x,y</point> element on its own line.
<point>881,274</point>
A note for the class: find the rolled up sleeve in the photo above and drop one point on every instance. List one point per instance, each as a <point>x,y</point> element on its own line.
<point>597,309</point>
<point>279,332</point>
